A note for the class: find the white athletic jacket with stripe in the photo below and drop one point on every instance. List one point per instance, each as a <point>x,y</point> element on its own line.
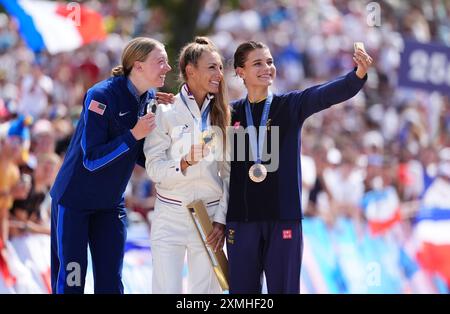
<point>179,127</point>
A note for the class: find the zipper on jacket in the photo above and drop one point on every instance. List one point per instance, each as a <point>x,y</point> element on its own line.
<point>245,196</point>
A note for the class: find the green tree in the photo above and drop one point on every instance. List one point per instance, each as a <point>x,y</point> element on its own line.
<point>181,28</point>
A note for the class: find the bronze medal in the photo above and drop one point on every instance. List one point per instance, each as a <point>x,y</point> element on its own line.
<point>257,173</point>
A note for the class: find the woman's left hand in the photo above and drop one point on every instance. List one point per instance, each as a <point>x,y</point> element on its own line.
<point>165,98</point>
<point>363,61</point>
<point>217,237</point>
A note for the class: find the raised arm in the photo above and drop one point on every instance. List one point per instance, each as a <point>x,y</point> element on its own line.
<point>320,97</point>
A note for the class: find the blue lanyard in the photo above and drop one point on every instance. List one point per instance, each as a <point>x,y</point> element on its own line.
<point>256,143</point>
<point>205,113</point>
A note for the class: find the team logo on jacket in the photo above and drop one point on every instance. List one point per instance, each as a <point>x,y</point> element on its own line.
<point>287,234</point>
<point>230,237</point>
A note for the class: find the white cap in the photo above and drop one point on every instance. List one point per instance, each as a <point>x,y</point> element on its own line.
<point>334,156</point>
<point>373,138</point>
<point>42,126</point>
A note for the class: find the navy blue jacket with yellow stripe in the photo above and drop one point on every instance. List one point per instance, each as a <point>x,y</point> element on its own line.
<point>103,152</point>
<point>278,196</point>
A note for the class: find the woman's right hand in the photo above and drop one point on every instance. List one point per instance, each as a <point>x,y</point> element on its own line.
<point>217,236</point>
<point>196,153</point>
<point>144,126</point>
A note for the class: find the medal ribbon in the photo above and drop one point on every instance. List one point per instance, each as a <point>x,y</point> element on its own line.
<point>205,113</point>
<point>257,143</point>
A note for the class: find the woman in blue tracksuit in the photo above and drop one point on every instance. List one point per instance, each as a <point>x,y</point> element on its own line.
<point>264,214</point>
<point>87,196</point>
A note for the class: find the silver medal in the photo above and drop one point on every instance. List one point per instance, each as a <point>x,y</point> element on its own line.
<point>152,106</point>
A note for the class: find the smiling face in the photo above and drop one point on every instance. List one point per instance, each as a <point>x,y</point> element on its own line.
<point>155,67</point>
<point>207,74</point>
<point>259,69</point>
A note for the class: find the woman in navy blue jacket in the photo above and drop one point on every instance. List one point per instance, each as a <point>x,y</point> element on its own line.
<point>87,196</point>
<point>264,212</point>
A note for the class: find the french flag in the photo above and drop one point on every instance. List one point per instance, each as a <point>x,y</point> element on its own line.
<point>433,229</point>
<point>55,26</point>
<point>382,209</point>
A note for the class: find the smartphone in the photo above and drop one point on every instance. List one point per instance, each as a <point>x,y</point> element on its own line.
<point>359,45</point>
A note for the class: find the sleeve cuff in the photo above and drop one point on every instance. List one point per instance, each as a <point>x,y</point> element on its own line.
<point>129,139</point>
<point>354,81</point>
<point>356,78</point>
<point>220,217</point>
<point>175,167</point>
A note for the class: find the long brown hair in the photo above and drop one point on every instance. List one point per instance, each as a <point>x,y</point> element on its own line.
<point>136,50</point>
<point>190,54</point>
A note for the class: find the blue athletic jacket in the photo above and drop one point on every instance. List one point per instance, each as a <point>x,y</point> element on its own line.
<point>103,152</point>
<point>278,196</point>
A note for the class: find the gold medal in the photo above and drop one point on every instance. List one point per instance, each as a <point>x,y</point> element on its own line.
<point>207,136</point>
<point>257,173</point>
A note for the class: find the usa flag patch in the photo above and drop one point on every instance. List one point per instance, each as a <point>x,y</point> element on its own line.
<point>97,107</point>
<point>287,234</point>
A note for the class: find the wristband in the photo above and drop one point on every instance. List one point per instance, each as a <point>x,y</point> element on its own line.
<point>187,162</point>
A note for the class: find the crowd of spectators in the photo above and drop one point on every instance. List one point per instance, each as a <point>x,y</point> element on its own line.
<point>388,139</point>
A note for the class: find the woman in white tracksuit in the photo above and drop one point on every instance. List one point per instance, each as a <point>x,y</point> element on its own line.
<point>185,169</point>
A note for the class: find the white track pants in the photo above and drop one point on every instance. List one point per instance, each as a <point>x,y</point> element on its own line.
<point>173,234</point>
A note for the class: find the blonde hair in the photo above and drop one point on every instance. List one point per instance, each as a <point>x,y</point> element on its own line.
<point>136,50</point>
<point>220,110</point>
